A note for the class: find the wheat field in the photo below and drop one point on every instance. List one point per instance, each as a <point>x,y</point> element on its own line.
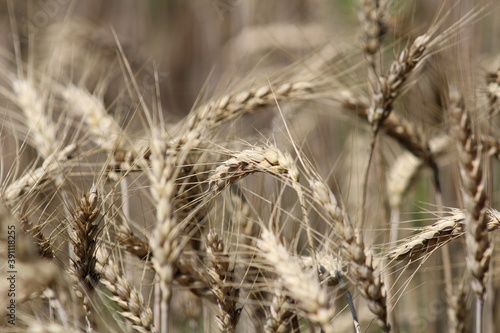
<point>249,166</point>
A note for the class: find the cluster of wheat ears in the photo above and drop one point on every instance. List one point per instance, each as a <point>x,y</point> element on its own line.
<point>350,190</point>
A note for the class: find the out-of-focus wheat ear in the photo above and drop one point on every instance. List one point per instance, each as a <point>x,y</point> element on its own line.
<point>33,104</point>
<point>407,167</point>
<point>281,312</point>
<point>458,309</point>
<point>208,116</point>
<point>373,26</point>
<point>106,132</point>
<point>133,243</point>
<point>36,326</point>
<point>471,172</point>
<point>493,93</point>
<point>190,275</point>
<point>84,233</point>
<point>36,231</point>
<point>361,260</point>
<point>221,278</point>
<point>409,135</point>
<point>438,234</point>
<point>32,181</point>
<point>490,145</point>
<point>302,286</point>
<point>128,298</point>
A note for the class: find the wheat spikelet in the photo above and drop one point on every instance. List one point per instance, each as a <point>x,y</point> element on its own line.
<point>125,295</point>
<point>269,160</point>
<point>373,26</point>
<point>231,106</point>
<point>32,181</point>
<point>33,104</point>
<point>165,241</point>
<point>302,286</point>
<point>280,313</point>
<point>361,260</point>
<point>221,279</point>
<point>493,93</point>
<point>106,132</point>
<point>44,245</point>
<point>85,230</point>
<point>84,239</point>
<point>477,239</point>
<point>388,87</point>
<point>438,234</point>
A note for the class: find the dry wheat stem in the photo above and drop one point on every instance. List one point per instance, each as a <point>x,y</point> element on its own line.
<point>128,298</point>
<point>477,238</point>
<point>302,286</point>
<point>361,260</point>
<point>221,279</point>
<point>438,234</point>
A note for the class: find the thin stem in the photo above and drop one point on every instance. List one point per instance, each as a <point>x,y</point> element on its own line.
<point>348,296</point>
